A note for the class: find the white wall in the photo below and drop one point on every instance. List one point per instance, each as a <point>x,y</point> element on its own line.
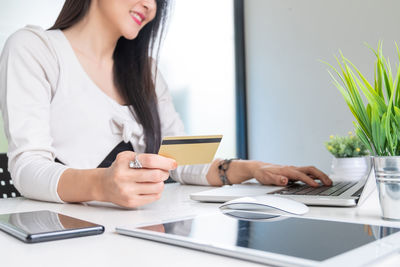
<point>292,105</point>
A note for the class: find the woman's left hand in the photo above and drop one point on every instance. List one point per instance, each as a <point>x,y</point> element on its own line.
<point>266,173</point>
<point>281,175</point>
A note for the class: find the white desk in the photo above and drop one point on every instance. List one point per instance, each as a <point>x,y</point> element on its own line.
<point>112,249</point>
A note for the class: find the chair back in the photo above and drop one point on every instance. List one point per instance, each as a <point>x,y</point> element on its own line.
<point>7,188</point>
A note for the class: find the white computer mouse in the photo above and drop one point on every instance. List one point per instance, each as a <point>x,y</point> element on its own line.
<point>266,204</point>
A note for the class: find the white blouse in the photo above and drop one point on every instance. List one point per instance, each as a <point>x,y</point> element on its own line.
<point>52,109</point>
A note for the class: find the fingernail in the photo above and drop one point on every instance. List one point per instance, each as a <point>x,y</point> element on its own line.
<point>283,180</point>
<point>175,165</point>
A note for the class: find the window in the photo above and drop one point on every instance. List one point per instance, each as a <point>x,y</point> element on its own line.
<point>197,59</point>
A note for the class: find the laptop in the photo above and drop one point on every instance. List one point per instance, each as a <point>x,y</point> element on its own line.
<point>341,194</point>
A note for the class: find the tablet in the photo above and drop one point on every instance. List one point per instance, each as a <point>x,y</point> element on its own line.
<point>287,241</point>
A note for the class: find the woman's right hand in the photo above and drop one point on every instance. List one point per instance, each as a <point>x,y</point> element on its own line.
<point>135,187</point>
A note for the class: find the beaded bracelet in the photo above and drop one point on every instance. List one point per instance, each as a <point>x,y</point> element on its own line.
<point>222,169</point>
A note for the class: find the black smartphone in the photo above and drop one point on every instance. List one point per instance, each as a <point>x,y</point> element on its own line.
<point>45,225</point>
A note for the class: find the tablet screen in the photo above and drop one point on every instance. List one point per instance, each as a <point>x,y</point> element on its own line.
<point>311,239</point>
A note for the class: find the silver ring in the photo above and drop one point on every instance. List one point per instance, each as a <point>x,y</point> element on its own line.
<point>135,164</point>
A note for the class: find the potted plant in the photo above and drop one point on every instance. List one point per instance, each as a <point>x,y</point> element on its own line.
<point>351,161</point>
<point>376,108</point>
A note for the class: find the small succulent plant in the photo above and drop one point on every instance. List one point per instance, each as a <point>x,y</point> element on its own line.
<point>346,146</point>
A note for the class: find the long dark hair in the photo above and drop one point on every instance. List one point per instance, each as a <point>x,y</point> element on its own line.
<point>133,74</point>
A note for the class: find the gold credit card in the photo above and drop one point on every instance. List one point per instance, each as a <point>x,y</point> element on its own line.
<point>187,150</point>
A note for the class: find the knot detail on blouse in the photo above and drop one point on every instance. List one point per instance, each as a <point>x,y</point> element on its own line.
<point>130,130</point>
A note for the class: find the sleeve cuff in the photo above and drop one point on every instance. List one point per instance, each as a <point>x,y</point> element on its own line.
<point>191,174</point>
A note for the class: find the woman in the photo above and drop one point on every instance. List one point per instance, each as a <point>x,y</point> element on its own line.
<point>80,98</point>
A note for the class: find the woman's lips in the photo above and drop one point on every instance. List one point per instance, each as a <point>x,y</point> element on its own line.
<point>137,17</point>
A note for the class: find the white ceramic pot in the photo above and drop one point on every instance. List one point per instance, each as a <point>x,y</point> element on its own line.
<point>350,169</point>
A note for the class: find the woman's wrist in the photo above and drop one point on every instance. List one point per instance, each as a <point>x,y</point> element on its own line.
<point>242,170</point>
<point>81,185</point>
<point>237,172</point>
<point>97,179</point>
<point>212,174</point>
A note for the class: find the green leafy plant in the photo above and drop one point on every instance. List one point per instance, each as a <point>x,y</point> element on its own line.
<point>378,121</point>
<point>346,146</point>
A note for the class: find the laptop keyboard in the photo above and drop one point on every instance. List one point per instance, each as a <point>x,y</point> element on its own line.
<point>304,189</point>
